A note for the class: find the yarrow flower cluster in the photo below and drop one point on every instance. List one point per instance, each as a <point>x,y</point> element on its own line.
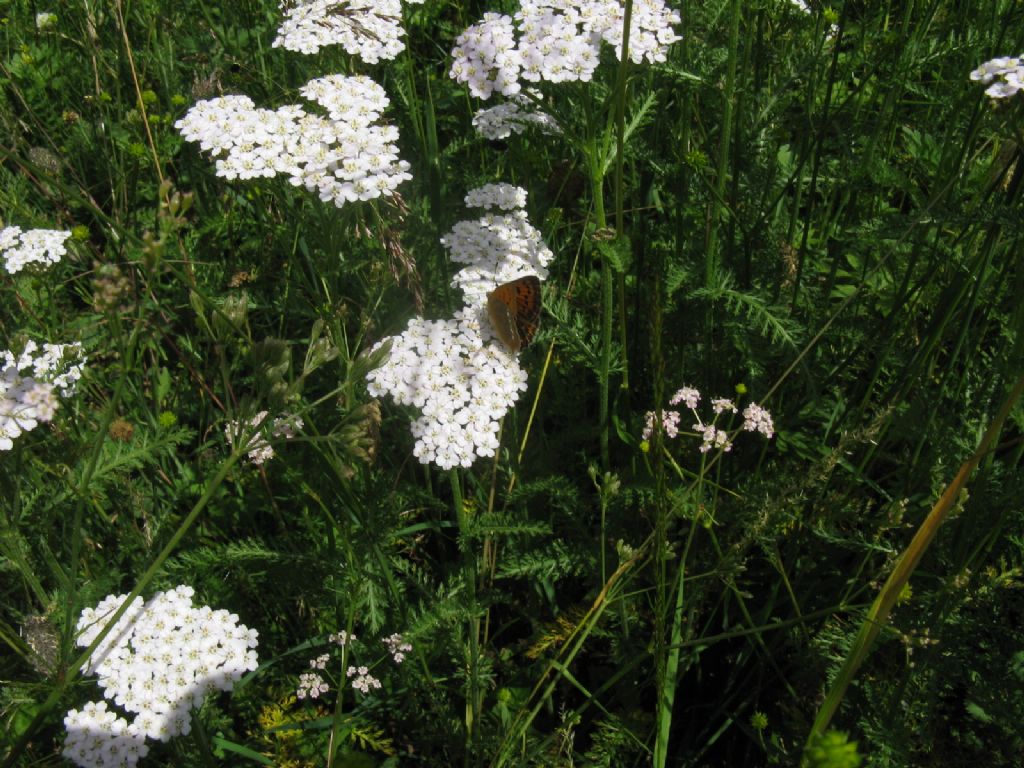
<point>461,386</point>
<point>37,246</point>
<point>558,41</point>
<point>486,59</point>
<point>755,419</point>
<point>344,157</point>
<point>495,248</point>
<point>259,448</point>
<point>514,116</point>
<point>1004,76</point>
<point>369,29</point>
<point>98,738</point>
<point>507,197</point>
<point>455,371</point>
<point>159,662</point>
<point>30,383</point>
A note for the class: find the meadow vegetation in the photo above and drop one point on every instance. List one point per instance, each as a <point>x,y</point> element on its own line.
<point>293,472</point>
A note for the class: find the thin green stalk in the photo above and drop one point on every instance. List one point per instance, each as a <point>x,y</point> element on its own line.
<point>542,689</point>
<point>71,600</point>
<point>662,656</point>
<point>596,166</point>
<point>607,309</point>
<point>667,687</point>
<point>202,742</point>
<point>339,703</point>
<point>816,151</point>
<point>621,81</point>
<point>473,698</point>
<point>878,615</point>
<point>721,171</point>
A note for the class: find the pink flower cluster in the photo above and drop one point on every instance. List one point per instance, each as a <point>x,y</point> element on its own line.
<point>312,685</point>
<point>755,419</point>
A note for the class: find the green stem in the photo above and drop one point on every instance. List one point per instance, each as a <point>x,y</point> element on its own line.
<point>721,172</point>
<point>597,165</point>
<point>339,703</point>
<point>90,468</point>
<point>607,309</point>
<point>202,742</point>
<point>473,702</point>
<point>621,80</point>
<point>878,615</point>
<point>667,689</point>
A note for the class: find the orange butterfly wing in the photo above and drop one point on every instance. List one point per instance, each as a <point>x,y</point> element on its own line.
<point>514,310</point>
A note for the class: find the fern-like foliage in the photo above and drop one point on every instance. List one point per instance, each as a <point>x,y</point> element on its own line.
<point>120,458</point>
<point>752,312</point>
<point>552,561</point>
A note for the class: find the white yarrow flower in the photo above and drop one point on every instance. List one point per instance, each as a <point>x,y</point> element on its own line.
<point>369,29</point>
<point>455,371</point>
<point>556,41</point>
<point>30,384</point>
<point>96,737</point>
<point>258,448</point>
<point>347,156</point>
<point>37,246</point>
<point>514,116</point>
<point>1004,76</point>
<point>159,662</point>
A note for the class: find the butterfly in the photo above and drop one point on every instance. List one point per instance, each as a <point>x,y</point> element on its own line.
<point>514,309</point>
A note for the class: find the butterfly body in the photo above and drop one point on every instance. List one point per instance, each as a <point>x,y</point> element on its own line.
<point>514,311</point>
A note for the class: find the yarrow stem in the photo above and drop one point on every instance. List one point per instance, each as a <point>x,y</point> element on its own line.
<point>469,571</point>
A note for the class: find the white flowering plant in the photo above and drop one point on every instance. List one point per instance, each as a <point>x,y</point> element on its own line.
<point>375,314</point>
<point>1004,76</point>
<point>456,372</point>
<point>31,383</point>
<point>159,662</point>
